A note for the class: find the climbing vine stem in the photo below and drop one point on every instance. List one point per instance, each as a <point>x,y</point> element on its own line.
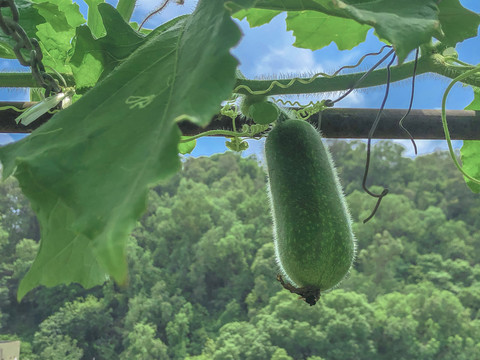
<point>328,84</point>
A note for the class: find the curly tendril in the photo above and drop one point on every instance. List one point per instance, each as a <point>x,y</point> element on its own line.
<point>306,110</point>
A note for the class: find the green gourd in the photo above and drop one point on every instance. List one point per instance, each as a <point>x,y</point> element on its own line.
<point>314,242</point>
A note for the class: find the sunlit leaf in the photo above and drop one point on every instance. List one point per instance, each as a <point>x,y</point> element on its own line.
<point>475,104</point>
<point>471,149</point>
<point>257,17</point>
<point>186,147</point>
<point>56,33</point>
<point>94,19</point>
<point>471,162</point>
<point>52,22</point>
<point>315,30</point>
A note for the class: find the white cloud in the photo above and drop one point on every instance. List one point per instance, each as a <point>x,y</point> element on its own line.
<point>427,146</point>
<point>354,100</point>
<point>255,147</point>
<point>288,60</point>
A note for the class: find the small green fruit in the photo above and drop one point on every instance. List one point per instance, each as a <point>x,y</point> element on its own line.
<point>263,113</point>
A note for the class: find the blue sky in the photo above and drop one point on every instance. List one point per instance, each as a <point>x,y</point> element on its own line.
<point>268,50</point>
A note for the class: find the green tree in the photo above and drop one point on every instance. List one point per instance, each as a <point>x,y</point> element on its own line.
<point>264,269</point>
<point>242,340</point>
<point>61,347</point>
<point>423,323</point>
<point>378,264</point>
<point>470,298</point>
<point>86,321</point>
<point>141,344</point>
<point>280,354</point>
<point>338,327</point>
<point>177,332</point>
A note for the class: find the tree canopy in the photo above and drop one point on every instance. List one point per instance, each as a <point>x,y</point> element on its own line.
<point>202,272</point>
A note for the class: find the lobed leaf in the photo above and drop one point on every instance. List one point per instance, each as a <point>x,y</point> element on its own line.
<point>405,24</point>
<point>87,171</point>
<point>94,58</point>
<point>315,30</point>
<point>470,150</point>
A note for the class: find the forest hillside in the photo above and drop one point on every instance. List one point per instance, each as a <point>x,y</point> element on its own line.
<point>202,272</point>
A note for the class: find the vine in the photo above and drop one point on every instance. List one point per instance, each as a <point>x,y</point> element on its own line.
<point>250,131</point>
<point>412,95</point>
<point>291,82</point>
<point>307,110</point>
<point>369,144</point>
<point>475,70</point>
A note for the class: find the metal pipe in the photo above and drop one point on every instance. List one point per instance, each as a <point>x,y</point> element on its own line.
<point>335,123</point>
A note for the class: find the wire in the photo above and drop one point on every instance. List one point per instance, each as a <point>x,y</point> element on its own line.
<point>400,123</point>
<point>369,144</point>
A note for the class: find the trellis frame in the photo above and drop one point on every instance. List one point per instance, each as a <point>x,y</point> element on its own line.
<point>352,123</point>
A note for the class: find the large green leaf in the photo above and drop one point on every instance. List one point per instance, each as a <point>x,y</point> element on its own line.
<point>471,149</point>
<point>87,170</point>
<point>405,24</point>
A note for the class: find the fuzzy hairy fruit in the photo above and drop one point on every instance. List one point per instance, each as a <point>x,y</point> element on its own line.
<point>314,242</point>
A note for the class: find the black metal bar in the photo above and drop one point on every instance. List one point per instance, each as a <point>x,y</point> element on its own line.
<point>422,124</point>
<point>335,123</point>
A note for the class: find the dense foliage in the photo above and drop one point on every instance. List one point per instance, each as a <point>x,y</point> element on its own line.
<point>202,273</point>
